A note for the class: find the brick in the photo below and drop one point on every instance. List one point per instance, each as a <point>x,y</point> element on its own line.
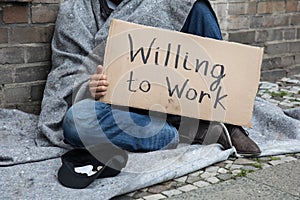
<point>277,48</point>
<point>262,8</point>
<point>295,20</point>
<point>252,8</point>
<point>219,9</point>
<point>289,34</point>
<point>271,63</point>
<point>294,47</point>
<point>38,53</point>
<point>294,70</point>
<point>32,107</point>
<point>11,55</point>
<point>261,36</point>
<point>267,21</point>
<point>256,22</point>
<point>291,5</point>
<point>247,37</point>
<point>37,92</point>
<point>44,13</point>
<point>15,14</point>
<point>6,76</point>
<point>33,73</point>
<point>3,35</point>
<point>238,8</point>
<point>242,8</point>
<point>269,35</point>
<point>275,34</point>
<point>273,75</point>
<point>238,22</point>
<point>269,7</point>
<point>278,6</point>
<point>287,61</point>
<point>32,34</point>
<point>275,21</point>
<point>297,58</point>
<point>16,94</point>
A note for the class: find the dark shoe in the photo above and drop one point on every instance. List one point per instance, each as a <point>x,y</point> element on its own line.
<point>214,132</point>
<point>242,143</point>
<point>210,133</point>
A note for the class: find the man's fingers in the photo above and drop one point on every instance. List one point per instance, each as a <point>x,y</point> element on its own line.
<point>101,89</point>
<point>99,69</point>
<point>96,89</point>
<point>98,95</point>
<point>103,83</point>
<point>103,77</point>
<point>96,77</point>
<point>98,92</point>
<point>98,83</point>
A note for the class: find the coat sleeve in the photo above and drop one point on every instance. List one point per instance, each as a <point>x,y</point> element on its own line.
<point>72,64</point>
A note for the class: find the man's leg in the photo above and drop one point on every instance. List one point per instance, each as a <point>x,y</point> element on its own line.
<point>90,122</point>
<point>202,21</point>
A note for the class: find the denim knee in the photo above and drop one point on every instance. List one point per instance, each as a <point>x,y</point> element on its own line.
<point>69,130</point>
<point>202,6</point>
<point>89,122</point>
<point>79,122</point>
<point>202,21</point>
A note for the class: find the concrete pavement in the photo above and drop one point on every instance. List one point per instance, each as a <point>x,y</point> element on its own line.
<point>278,182</point>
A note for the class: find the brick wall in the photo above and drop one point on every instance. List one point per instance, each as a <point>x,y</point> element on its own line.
<point>26,28</point>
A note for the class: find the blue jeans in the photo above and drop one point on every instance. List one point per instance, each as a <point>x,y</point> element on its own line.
<point>202,21</point>
<point>89,122</point>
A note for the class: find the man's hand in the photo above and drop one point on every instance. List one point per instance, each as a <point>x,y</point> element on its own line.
<point>98,84</point>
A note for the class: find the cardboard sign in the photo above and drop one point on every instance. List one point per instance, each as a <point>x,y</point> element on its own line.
<point>182,74</point>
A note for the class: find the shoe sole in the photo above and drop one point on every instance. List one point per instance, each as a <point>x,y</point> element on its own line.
<point>249,154</point>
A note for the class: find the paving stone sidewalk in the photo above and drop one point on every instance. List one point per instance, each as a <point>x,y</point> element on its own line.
<point>277,182</point>
<point>285,94</point>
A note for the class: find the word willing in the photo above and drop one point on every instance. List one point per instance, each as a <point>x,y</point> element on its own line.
<point>217,73</point>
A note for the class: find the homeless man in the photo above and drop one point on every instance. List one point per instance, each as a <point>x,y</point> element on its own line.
<point>76,82</point>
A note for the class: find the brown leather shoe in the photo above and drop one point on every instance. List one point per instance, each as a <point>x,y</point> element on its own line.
<point>242,143</point>
<point>213,132</point>
<point>210,133</point>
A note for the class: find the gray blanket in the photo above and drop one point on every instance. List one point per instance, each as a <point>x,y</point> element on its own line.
<point>26,138</point>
